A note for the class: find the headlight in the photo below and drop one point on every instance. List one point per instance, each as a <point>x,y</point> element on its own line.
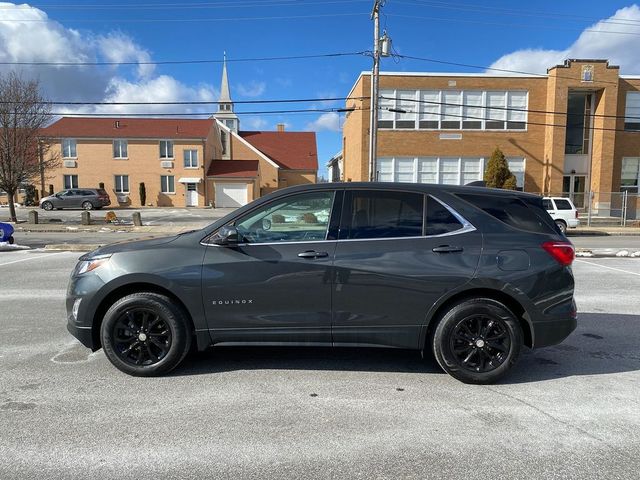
<point>91,264</point>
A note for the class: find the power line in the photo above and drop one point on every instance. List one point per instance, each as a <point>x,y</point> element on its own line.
<point>521,13</point>
<point>199,114</point>
<point>182,20</point>
<point>199,102</point>
<point>183,62</point>
<point>186,5</point>
<point>504,70</point>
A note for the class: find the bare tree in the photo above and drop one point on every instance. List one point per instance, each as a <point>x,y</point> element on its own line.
<point>24,152</point>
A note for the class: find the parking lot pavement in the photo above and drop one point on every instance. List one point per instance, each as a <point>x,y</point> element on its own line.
<point>570,411</point>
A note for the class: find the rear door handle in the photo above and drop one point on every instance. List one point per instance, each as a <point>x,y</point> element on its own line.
<point>313,254</point>
<point>447,249</point>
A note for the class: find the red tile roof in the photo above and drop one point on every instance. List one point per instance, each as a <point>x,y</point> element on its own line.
<point>233,168</point>
<point>92,127</point>
<point>291,150</point>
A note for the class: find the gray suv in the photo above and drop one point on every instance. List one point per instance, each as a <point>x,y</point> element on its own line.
<point>85,198</point>
<point>470,274</point>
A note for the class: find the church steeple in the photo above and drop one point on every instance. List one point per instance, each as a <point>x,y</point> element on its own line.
<point>225,106</point>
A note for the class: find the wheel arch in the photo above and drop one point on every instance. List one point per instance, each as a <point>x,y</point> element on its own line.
<point>128,289</point>
<point>509,301</point>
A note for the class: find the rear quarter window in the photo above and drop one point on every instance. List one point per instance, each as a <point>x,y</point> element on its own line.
<point>563,204</point>
<point>513,211</point>
<point>439,219</point>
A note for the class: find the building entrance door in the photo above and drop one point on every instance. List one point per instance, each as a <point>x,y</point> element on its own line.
<point>574,187</point>
<point>192,195</point>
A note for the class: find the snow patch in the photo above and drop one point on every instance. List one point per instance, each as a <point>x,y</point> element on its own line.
<point>622,253</point>
<point>584,253</point>
<point>6,247</point>
<point>635,254</point>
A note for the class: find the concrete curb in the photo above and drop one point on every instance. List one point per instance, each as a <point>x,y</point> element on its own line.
<point>70,247</point>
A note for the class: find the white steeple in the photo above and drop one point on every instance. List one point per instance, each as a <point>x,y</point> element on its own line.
<point>225,106</point>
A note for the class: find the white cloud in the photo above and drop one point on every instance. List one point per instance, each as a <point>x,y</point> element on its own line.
<point>619,48</point>
<point>329,121</point>
<point>255,123</point>
<point>118,47</point>
<point>252,89</point>
<point>40,39</point>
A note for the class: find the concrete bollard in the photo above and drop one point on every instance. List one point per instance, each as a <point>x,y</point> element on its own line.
<point>33,217</point>
<point>85,218</point>
<point>137,219</point>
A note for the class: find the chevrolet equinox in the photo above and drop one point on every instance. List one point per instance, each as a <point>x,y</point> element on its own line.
<point>471,274</point>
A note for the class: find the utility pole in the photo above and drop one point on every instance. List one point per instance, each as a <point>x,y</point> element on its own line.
<point>381,48</point>
<point>373,101</point>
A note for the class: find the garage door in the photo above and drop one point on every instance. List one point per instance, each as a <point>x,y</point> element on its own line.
<point>231,195</point>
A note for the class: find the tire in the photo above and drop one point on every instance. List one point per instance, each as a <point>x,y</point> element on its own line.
<point>11,240</point>
<point>87,205</point>
<point>562,226</point>
<point>48,206</point>
<point>151,351</point>
<point>477,341</point>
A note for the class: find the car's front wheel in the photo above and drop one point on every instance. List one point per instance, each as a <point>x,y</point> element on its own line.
<point>145,334</point>
<point>48,206</point>
<point>477,341</point>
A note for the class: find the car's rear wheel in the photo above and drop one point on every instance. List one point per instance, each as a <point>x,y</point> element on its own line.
<point>48,206</point>
<point>562,226</point>
<point>145,334</point>
<point>87,205</point>
<point>477,341</point>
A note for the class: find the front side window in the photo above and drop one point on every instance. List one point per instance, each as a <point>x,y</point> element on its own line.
<point>122,183</point>
<point>69,148</point>
<point>190,158</point>
<point>120,149</point>
<point>166,149</point>
<point>383,214</point>
<point>167,184</point>
<point>70,181</point>
<point>298,218</point>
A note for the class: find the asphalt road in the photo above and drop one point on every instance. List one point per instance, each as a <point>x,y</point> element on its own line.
<point>570,411</point>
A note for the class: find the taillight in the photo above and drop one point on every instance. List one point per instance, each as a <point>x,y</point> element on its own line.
<point>562,252</point>
<point>576,213</point>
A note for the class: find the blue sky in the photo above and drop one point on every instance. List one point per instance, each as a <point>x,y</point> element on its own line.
<point>526,36</point>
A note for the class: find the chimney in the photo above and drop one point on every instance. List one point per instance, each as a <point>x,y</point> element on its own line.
<point>117,124</point>
<point>280,127</point>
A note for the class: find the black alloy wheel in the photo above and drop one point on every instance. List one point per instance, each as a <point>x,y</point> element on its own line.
<point>141,337</point>
<point>146,334</point>
<point>477,340</point>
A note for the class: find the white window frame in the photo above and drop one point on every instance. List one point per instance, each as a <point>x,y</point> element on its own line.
<point>120,142</point>
<point>71,177</point>
<point>166,143</point>
<point>190,153</point>
<point>69,148</point>
<point>164,184</point>
<point>115,183</point>
<point>458,111</point>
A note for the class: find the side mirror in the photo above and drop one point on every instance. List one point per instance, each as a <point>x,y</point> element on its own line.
<point>227,235</point>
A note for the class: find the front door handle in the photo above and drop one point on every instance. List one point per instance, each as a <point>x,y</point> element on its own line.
<point>447,249</point>
<point>313,254</point>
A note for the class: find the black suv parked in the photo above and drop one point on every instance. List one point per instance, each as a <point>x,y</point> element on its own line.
<point>85,198</point>
<point>472,274</point>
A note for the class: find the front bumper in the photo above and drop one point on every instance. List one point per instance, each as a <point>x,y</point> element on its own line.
<point>84,334</point>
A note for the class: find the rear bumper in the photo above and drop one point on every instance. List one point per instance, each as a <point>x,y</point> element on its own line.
<point>573,222</point>
<point>553,332</point>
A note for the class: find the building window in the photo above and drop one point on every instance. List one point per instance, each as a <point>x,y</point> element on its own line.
<point>120,149</point>
<point>167,184</point>
<point>69,148</point>
<point>632,111</point>
<point>442,170</point>
<point>122,183</point>
<point>453,110</point>
<point>70,181</point>
<point>166,148</point>
<point>630,177</point>
<point>191,159</point>
<point>223,141</point>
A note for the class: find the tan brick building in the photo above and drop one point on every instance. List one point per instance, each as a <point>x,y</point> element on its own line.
<point>573,131</point>
<point>181,162</point>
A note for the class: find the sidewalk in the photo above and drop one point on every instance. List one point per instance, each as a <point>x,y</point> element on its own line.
<point>107,227</point>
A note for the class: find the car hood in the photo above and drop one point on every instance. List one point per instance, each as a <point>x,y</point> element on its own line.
<point>131,245</point>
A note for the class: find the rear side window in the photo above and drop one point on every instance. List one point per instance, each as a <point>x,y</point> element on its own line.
<point>563,204</point>
<point>513,211</point>
<point>439,219</point>
<point>385,214</point>
<point>547,204</point>
<point>88,193</point>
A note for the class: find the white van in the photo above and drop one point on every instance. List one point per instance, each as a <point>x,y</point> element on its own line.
<point>563,212</point>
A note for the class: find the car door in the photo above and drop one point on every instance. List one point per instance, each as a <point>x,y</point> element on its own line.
<point>274,286</point>
<point>398,253</point>
<point>64,199</point>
